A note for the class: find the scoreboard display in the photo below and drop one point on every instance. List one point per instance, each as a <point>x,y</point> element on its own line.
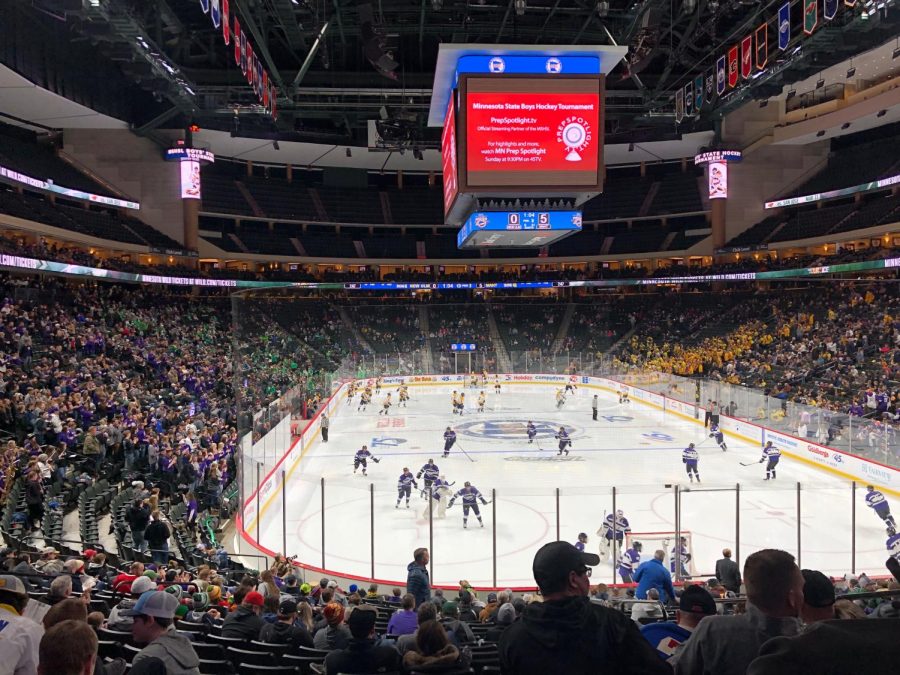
<point>517,229</point>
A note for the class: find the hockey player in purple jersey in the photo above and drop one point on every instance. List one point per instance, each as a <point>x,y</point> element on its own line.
<point>716,432</point>
<point>361,457</point>
<point>691,459</point>
<point>582,540</point>
<point>628,562</point>
<point>449,440</point>
<point>470,497</point>
<point>405,484</point>
<point>773,454</point>
<point>876,501</point>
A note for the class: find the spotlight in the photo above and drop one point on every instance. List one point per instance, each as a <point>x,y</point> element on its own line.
<point>820,133</point>
<point>437,4</point>
<point>820,84</point>
<point>896,53</point>
<point>349,152</point>
<point>851,71</point>
<point>602,8</point>
<point>275,144</point>
<point>881,113</point>
<point>763,104</point>
<point>418,154</point>
<point>845,126</point>
<point>631,147</point>
<point>520,7</point>
<point>791,94</point>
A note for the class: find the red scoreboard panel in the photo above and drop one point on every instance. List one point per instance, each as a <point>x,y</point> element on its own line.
<point>529,133</point>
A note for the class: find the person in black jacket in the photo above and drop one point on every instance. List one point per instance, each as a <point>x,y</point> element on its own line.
<point>728,573</point>
<point>362,654</point>
<point>245,622</point>
<point>285,630</point>
<point>567,633</point>
<point>138,517</point>
<point>157,536</point>
<point>34,499</point>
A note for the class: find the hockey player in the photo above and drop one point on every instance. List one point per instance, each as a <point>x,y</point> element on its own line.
<point>564,441</point>
<point>462,402</point>
<point>680,550</point>
<point>560,399</point>
<point>437,504</point>
<point>470,495</point>
<point>362,455</point>
<point>893,546</point>
<point>351,391</point>
<point>473,382</point>
<point>691,458</point>
<point>405,484</point>
<point>496,384</point>
<point>481,401</point>
<point>454,400</point>
<point>403,393</point>
<point>364,399</point>
<point>429,472</point>
<point>386,405</point>
<point>623,396</point>
<point>876,501</point>
<point>716,432</point>
<point>570,387</point>
<point>531,430</point>
<point>449,440</point>
<point>582,540</point>
<point>628,562</point>
<point>378,382</point>
<point>606,532</point>
<point>773,454</point>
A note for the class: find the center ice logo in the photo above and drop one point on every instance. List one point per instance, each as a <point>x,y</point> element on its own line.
<point>510,430</point>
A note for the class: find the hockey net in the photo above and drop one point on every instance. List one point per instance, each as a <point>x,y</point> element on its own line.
<point>661,541</point>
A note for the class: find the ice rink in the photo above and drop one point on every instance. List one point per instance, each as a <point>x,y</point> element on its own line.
<point>633,447</point>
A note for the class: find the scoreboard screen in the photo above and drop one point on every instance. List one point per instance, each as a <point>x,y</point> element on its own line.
<point>517,229</point>
<point>527,132</point>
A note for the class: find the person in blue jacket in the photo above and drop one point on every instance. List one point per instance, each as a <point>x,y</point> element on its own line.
<point>653,574</point>
<point>417,582</point>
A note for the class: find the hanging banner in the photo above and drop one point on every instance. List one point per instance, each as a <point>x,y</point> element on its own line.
<point>679,105</point>
<point>733,66</point>
<point>762,46</point>
<point>784,26</point>
<point>215,14</point>
<point>698,93</point>
<point>720,75</point>
<point>226,27</point>
<point>810,16</point>
<point>237,41</point>
<point>689,99</point>
<point>244,55</point>
<point>747,57</point>
<point>829,9</point>
<point>204,5</point>
<point>710,85</point>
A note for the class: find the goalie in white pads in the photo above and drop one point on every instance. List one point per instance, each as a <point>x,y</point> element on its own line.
<point>438,493</point>
<point>606,533</point>
<point>682,555</point>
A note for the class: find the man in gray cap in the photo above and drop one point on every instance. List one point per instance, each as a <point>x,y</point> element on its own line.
<point>154,615</point>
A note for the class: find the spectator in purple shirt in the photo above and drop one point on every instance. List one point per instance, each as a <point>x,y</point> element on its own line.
<point>403,621</point>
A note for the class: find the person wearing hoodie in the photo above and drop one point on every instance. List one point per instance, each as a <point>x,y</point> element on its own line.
<point>245,622</point>
<point>119,618</point>
<point>434,653</point>
<point>362,654</point>
<point>505,617</point>
<point>567,633</point>
<point>154,617</point>
<point>417,582</point>
<point>286,630</point>
<point>462,634</point>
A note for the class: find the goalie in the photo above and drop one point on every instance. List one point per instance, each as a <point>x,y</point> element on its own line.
<point>620,522</point>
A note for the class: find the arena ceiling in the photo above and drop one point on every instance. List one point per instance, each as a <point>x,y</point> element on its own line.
<point>329,90</point>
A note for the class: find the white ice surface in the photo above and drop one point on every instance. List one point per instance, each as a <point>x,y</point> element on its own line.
<point>634,448</point>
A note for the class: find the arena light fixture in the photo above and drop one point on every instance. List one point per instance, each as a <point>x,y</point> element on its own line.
<point>845,126</point>
<point>851,71</point>
<point>791,94</point>
<point>820,133</point>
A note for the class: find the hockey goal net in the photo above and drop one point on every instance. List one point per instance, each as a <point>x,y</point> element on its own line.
<point>662,541</point>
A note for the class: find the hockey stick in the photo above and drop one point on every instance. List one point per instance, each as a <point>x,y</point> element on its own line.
<point>464,452</point>
<point>748,463</point>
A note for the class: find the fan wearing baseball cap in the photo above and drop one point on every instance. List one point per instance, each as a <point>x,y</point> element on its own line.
<point>20,637</point>
<point>567,633</point>
<point>285,630</point>
<point>154,615</point>
<point>666,637</point>
<point>245,622</point>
